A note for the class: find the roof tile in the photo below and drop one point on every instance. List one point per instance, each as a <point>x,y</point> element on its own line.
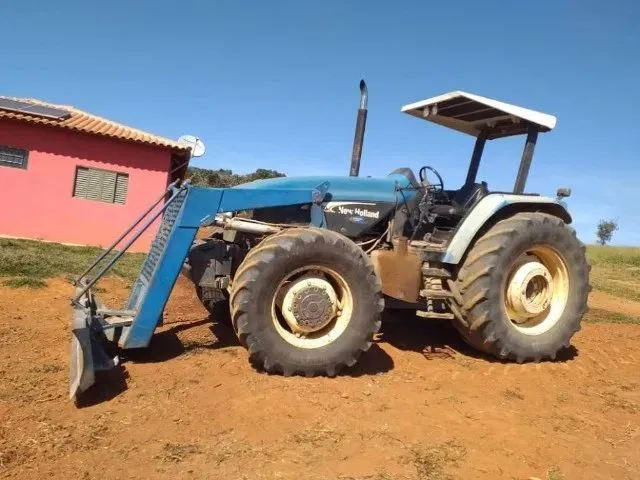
<point>85,122</point>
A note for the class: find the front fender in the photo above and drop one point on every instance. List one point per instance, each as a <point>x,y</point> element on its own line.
<point>488,209</point>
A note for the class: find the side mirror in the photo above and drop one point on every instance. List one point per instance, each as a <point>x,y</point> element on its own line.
<point>563,192</point>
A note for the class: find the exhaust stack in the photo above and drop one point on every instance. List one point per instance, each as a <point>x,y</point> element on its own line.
<point>361,123</point>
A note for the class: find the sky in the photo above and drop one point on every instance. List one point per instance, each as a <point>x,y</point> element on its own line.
<point>274,84</point>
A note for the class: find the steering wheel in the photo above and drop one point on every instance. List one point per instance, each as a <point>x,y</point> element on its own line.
<point>423,178</point>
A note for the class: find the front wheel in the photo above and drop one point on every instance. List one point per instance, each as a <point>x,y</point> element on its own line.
<point>306,301</point>
<point>522,290</point>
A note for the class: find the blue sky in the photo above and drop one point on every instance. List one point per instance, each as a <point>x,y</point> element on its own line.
<point>273,84</point>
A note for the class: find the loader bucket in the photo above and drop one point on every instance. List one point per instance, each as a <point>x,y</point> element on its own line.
<point>87,353</point>
<point>81,371</point>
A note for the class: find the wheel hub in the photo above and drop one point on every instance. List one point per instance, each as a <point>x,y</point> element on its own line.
<point>530,291</point>
<point>309,305</point>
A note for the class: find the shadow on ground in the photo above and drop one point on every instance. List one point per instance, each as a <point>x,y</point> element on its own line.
<point>108,386</point>
<point>437,338</point>
<point>372,362</point>
<point>166,345</point>
<point>401,329</point>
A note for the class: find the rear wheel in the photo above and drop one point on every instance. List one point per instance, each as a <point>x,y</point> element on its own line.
<point>306,301</point>
<point>522,290</point>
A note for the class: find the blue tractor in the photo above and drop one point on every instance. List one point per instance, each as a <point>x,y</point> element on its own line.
<point>302,268</point>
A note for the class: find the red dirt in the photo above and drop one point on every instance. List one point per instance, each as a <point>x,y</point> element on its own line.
<point>419,405</point>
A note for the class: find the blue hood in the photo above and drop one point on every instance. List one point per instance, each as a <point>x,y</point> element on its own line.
<point>342,188</point>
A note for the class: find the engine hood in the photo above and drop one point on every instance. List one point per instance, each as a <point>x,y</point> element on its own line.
<point>342,188</point>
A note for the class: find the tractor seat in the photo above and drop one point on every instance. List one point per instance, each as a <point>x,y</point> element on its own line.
<point>408,173</point>
<point>462,200</point>
<point>467,196</point>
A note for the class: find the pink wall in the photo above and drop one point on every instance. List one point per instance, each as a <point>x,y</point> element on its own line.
<point>38,203</point>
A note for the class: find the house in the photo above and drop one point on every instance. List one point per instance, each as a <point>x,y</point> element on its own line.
<point>72,177</point>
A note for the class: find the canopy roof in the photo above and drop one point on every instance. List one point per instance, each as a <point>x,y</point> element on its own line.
<point>472,114</point>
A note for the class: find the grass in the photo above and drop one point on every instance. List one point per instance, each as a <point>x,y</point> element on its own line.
<point>317,436</point>
<point>555,474</point>
<point>27,263</point>
<point>614,256</point>
<point>432,462</point>
<point>513,394</point>
<point>597,315</point>
<point>613,400</point>
<point>25,282</point>
<point>176,453</point>
<point>615,270</point>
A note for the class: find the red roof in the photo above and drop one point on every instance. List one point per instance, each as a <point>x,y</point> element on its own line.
<point>81,121</point>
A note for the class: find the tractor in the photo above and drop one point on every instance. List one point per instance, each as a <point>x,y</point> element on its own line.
<point>302,268</point>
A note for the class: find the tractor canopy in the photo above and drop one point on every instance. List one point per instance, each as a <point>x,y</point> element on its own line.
<point>473,114</point>
<point>485,119</point>
<point>342,188</point>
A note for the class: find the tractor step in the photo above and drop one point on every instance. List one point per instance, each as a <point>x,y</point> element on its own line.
<point>106,312</point>
<point>430,294</point>
<point>427,314</point>
<point>436,272</point>
<point>429,251</point>
<point>115,321</point>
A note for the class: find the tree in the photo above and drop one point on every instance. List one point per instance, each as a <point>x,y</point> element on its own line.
<point>226,178</point>
<point>605,231</point>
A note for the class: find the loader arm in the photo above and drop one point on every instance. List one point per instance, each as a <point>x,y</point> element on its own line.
<point>186,209</point>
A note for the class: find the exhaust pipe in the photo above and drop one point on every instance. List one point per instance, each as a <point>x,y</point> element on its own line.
<point>361,123</point>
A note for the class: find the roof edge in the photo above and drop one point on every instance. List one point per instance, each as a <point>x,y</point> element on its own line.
<point>85,122</point>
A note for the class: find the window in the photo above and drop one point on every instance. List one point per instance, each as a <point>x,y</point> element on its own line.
<point>101,185</point>
<point>13,157</point>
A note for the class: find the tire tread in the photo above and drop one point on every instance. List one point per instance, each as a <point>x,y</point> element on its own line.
<point>478,298</point>
<point>246,283</point>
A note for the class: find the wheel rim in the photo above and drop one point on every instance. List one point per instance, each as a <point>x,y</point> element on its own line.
<point>312,307</point>
<point>537,290</point>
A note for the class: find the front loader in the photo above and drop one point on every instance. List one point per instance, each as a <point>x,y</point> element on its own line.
<point>302,268</point>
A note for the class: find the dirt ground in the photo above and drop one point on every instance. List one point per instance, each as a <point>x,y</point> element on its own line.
<point>419,405</point>
<point>610,303</point>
